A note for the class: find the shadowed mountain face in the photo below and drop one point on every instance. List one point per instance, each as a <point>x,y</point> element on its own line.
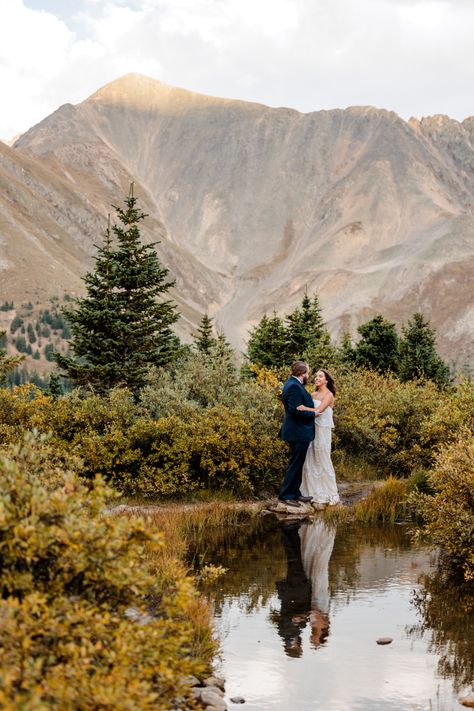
<point>253,204</point>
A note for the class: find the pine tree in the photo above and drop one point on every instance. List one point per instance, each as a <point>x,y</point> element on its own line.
<point>305,328</point>
<point>323,354</point>
<point>55,389</point>
<point>346,351</point>
<point>7,363</point>
<point>204,340</point>
<point>379,346</point>
<point>267,344</point>
<point>122,326</point>
<point>418,356</point>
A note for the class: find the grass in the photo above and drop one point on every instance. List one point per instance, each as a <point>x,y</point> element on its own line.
<point>180,524</point>
<point>385,503</point>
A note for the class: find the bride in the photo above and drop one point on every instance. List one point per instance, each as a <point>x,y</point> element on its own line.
<point>319,477</point>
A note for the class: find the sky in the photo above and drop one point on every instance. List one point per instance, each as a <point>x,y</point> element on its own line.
<point>415,57</point>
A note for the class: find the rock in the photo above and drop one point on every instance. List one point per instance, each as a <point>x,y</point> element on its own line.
<point>214,689</point>
<point>196,692</point>
<point>191,680</point>
<point>215,681</point>
<point>384,640</point>
<point>238,700</point>
<point>464,701</point>
<point>209,697</point>
<point>279,508</point>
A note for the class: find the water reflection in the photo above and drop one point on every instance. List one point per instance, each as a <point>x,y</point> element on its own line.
<point>304,592</point>
<point>317,542</point>
<point>446,610</point>
<point>300,609</point>
<point>294,593</point>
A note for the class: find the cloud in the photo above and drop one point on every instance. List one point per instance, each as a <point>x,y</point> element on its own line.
<point>412,56</point>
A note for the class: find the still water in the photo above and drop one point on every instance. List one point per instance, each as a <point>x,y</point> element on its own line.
<point>300,609</point>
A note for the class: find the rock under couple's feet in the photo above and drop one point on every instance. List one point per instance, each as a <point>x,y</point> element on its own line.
<point>296,502</point>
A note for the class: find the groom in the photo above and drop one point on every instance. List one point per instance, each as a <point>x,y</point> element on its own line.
<point>297,430</point>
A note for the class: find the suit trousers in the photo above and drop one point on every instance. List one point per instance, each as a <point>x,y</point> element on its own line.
<point>294,472</point>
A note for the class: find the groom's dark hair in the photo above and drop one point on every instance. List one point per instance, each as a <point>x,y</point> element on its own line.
<point>298,368</point>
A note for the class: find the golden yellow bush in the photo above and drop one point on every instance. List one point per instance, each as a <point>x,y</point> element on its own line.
<point>449,513</point>
<point>84,622</point>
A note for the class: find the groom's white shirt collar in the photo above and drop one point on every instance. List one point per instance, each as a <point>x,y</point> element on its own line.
<point>296,378</point>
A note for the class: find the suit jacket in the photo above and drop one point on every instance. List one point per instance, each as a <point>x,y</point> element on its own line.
<point>297,426</point>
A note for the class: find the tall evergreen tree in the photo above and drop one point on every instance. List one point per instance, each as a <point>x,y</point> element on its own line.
<point>346,351</point>
<point>379,346</point>
<point>267,344</point>
<point>7,363</point>
<point>123,325</point>
<point>305,327</point>
<point>418,356</point>
<point>204,340</point>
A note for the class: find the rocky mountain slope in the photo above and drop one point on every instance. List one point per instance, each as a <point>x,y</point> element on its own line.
<point>252,205</point>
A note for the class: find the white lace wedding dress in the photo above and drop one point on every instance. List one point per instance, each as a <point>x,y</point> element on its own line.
<point>319,477</point>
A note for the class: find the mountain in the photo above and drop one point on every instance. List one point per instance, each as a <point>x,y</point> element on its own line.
<point>254,204</point>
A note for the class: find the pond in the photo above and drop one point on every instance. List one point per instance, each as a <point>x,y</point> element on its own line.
<point>301,607</point>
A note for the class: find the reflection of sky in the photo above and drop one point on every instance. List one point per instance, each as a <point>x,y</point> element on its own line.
<point>350,671</point>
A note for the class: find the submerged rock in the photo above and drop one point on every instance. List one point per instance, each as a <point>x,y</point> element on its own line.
<point>238,700</point>
<point>384,640</point>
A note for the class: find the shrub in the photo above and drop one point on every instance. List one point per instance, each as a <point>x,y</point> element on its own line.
<point>84,623</point>
<point>384,420</point>
<point>449,514</point>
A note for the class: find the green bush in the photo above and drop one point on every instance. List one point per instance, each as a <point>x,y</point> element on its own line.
<point>384,420</point>
<point>449,513</point>
<point>84,622</point>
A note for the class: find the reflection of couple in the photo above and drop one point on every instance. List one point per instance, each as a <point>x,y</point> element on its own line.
<point>304,594</point>
<point>307,428</point>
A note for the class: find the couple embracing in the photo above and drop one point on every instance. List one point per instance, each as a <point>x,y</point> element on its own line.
<point>307,428</point>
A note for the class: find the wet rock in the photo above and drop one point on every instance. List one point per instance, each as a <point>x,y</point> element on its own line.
<point>238,700</point>
<point>209,697</point>
<point>467,701</point>
<point>217,681</point>
<point>384,640</point>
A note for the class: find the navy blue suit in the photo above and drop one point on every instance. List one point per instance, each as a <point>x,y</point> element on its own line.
<point>298,431</point>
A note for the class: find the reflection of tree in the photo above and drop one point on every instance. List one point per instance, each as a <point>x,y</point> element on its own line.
<point>251,550</point>
<point>294,592</point>
<point>253,555</point>
<point>447,609</point>
<point>350,541</point>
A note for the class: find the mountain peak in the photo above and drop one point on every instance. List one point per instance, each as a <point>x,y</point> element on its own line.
<point>140,91</point>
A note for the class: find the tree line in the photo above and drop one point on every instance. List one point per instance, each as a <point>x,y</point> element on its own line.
<point>124,325</point>
<point>302,334</point>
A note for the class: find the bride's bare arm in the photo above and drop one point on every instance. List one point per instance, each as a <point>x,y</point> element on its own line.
<point>327,401</point>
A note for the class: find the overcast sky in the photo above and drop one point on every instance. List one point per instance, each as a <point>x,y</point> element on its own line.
<point>415,57</point>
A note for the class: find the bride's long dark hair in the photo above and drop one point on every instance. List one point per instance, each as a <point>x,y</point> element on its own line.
<point>331,383</point>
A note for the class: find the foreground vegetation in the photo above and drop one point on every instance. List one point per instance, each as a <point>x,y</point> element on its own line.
<point>199,426</point>
<point>95,612</point>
